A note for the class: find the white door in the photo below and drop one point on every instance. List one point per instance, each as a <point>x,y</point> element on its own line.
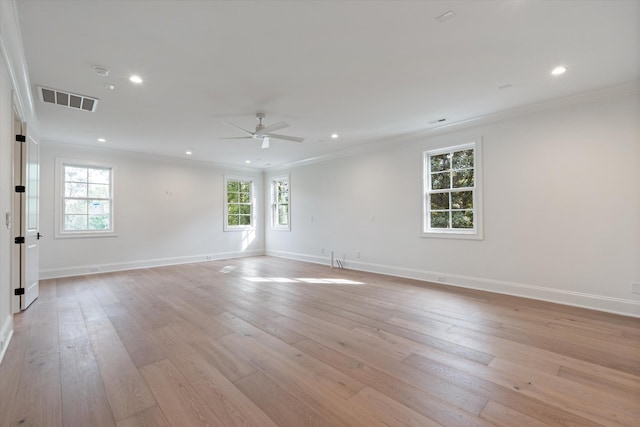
<point>28,190</point>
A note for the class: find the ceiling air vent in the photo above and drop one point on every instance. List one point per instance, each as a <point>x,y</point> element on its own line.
<point>66,99</point>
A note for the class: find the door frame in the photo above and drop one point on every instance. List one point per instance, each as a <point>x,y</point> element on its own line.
<point>16,209</point>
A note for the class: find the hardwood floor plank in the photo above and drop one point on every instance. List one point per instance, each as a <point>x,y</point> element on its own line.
<point>284,409</point>
<point>126,390</point>
<point>503,416</point>
<point>291,378</point>
<point>225,361</point>
<point>38,399</point>
<point>389,411</point>
<point>150,417</point>
<point>269,341</point>
<point>178,400</point>
<point>10,372</point>
<point>514,391</point>
<point>84,402</point>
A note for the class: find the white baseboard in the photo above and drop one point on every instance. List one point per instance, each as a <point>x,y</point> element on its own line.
<point>5,335</point>
<point>81,270</point>
<point>621,306</point>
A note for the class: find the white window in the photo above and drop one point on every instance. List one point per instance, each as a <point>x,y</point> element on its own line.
<point>452,192</point>
<point>85,199</point>
<point>239,204</point>
<point>280,203</point>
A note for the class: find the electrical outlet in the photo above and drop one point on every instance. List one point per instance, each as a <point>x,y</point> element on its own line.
<point>442,278</point>
<point>209,257</point>
<point>635,288</point>
<point>94,269</point>
<point>357,254</point>
<point>321,250</point>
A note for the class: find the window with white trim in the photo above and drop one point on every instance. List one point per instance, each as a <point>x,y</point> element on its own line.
<point>239,204</point>
<point>86,199</point>
<point>280,203</point>
<point>452,192</point>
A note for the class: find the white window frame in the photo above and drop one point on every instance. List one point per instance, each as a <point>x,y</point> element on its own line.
<point>252,199</point>
<point>475,233</point>
<point>59,192</point>
<point>274,203</point>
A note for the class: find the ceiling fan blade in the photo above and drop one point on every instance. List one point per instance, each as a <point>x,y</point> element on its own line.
<point>275,126</point>
<point>285,137</point>
<point>265,142</point>
<point>238,137</point>
<point>239,128</point>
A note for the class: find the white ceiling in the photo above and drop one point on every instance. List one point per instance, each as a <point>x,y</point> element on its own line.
<point>367,70</point>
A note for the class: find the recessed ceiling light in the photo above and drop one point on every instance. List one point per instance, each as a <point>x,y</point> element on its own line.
<point>101,71</point>
<point>188,153</point>
<point>558,70</point>
<point>334,136</point>
<point>109,86</point>
<point>247,161</point>
<point>102,140</point>
<point>135,79</point>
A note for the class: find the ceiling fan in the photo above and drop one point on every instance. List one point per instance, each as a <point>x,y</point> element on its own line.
<point>263,132</point>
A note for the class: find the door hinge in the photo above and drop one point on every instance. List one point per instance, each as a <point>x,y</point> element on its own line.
<point>19,291</point>
<point>20,189</point>
<point>21,138</point>
<point>19,239</point>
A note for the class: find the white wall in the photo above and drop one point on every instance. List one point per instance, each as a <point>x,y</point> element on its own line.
<point>166,212</point>
<point>561,208</point>
<point>6,180</point>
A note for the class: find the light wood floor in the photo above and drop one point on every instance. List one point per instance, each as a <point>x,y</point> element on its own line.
<point>264,342</point>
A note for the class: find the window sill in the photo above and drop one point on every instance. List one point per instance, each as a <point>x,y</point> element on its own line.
<point>464,235</point>
<point>85,234</point>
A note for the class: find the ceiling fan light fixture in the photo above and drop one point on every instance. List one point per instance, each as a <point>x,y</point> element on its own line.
<point>135,79</point>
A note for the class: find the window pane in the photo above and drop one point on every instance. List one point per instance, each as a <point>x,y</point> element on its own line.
<point>245,220</point>
<point>232,186</point>
<point>99,191</point>
<point>75,190</point>
<point>232,197</point>
<point>75,222</point>
<point>75,207</point>
<point>440,181</point>
<point>99,207</point>
<point>75,174</point>
<point>439,219</point>
<point>245,209</point>
<point>463,179</point>
<point>463,159</point>
<point>439,201</point>
<point>462,200</point>
<point>99,222</point>
<point>462,219</point>
<point>232,219</point>
<point>100,176</point>
<point>244,198</point>
<point>440,162</point>
<point>233,209</point>
<point>283,214</point>
<point>245,186</point>
<point>283,197</point>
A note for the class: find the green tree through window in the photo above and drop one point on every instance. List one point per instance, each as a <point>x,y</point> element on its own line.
<point>239,203</point>
<point>450,190</point>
